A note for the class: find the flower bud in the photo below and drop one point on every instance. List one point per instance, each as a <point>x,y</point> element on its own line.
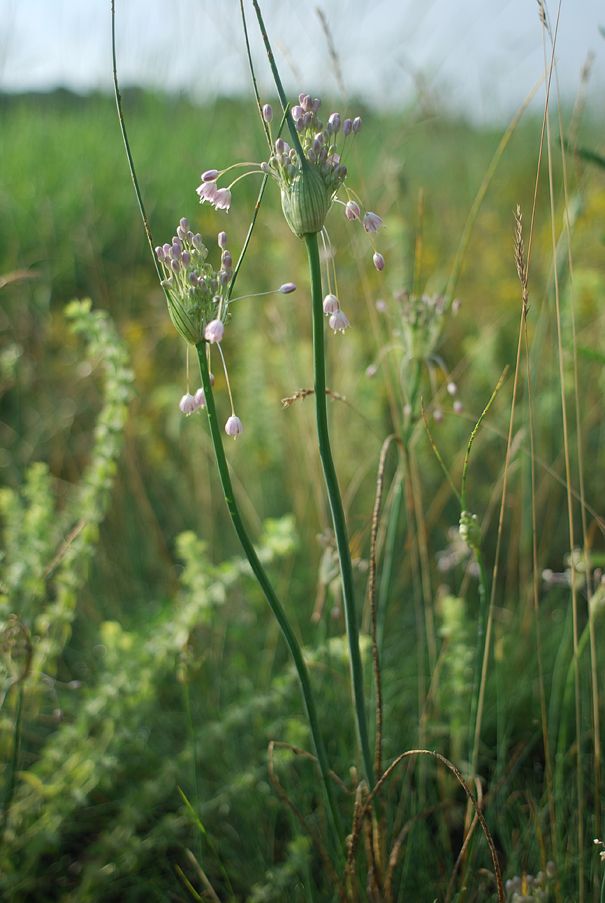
<point>452,388</point>
<point>214,331</point>
<point>184,224</point>
<point>458,406</point>
<point>210,175</point>
<point>297,112</point>
<point>267,112</point>
<point>378,261</point>
<point>200,398</point>
<point>331,305</point>
<point>347,127</point>
<point>352,210</point>
<point>234,426</point>
<point>334,122</point>
<point>356,124</point>
<point>226,259</point>
<point>159,253</point>
<point>287,288</point>
<point>222,239</point>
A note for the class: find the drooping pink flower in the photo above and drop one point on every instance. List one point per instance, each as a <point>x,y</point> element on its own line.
<point>331,305</point>
<point>372,222</point>
<point>214,331</point>
<point>207,192</point>
<point>339,322</point>
<point>187,404</point>
<point>234,426</point>
<point>222,199</point>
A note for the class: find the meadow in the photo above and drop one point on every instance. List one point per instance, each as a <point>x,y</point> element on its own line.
<point>151,725</point>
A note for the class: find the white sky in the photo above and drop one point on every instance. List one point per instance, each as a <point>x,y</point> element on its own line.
<point>481,56</point>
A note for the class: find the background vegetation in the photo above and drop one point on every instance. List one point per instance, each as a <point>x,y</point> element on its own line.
<point>142,658</point>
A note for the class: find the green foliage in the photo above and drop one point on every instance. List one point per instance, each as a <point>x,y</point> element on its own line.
<point>140,647</point>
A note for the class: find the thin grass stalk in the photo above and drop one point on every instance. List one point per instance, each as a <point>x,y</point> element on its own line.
<point>567,459</point>
<point>523,279</point>
<point>373,607</point>
<point>336,508</point>
<point>269,593</point>
<point>594,671</point>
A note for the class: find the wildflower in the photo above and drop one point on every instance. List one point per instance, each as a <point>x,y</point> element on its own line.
<point>378,261</point>
<point>210,175</point>
<point>222,199</point>
<point>331,305</point>
<point>234,427</point>
<point>287,288</point>
<point>372,222</point>
<point>207,191</point>
<point>214,331</point>
<point>222,240</point>
<point>187,404</point>
<point>200,398</point>
<point>338,322</point>
<point>267,112</point>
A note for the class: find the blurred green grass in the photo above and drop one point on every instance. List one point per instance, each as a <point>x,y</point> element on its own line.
<point>68,216</point>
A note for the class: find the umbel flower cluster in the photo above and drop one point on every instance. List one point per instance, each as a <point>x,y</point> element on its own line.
<point>197,293</point>
<point>198,302</point>
<point>311,177</point>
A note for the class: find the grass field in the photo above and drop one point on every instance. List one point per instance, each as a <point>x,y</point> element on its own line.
<point>144,676</point>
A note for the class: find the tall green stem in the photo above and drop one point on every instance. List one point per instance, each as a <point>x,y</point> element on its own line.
<point>265,584</point>
<point>336,509</point>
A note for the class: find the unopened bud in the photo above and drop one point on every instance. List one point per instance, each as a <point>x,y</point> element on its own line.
<point>378,261</point>
<point>267,112</point>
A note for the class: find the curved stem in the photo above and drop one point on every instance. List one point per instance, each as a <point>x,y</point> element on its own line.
<point>270,595</point>
<point>336,509</point>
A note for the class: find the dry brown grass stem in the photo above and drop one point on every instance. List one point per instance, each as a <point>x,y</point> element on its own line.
<point>465,844</point>
<point>209,891</point>
<point>370,797</point>
<point>301,394</point>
